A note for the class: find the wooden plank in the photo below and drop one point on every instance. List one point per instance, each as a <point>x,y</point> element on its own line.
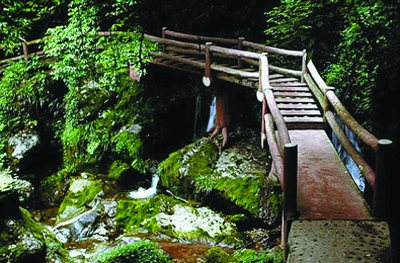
<point>292,94</point>
<point>306,119</point>
<point>284,80</point>
<point>289,84</point>
<point>293,88</point>
<point>297,106</point>
<point>300,112</point>
<point>275,76</point>
<point>295,100</point>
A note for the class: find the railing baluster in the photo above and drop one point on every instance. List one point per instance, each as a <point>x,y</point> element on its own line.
<point>25,50</point>
<point>240,47</point>
<point>163,35</point>
<point>303,65</point>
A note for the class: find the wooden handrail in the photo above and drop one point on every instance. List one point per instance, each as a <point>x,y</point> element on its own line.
<point>377,178</point>
<point>362,165</point>
<point>199,39</point>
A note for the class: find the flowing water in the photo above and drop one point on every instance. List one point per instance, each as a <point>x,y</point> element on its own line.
<point>213,114</point>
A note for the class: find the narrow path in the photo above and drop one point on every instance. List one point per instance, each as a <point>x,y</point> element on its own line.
<point>325,189</point>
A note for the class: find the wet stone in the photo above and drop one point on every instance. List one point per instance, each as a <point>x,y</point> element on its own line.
<point>339,241</point>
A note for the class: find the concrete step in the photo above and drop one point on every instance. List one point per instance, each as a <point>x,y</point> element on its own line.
<point>335,241</point>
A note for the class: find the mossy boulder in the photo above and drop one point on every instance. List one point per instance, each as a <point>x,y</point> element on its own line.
<point>234,181</point>
<point>163,215</point>
<point>13,191</point>
<point>23,239</point>
<point>141,251</point>
<point>81,196</point>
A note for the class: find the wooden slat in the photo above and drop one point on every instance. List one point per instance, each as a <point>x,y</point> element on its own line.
<point>303,119</point>
<point>300,112</point>
<point>284,80</point>
<point>296,89</point>
<point>283,94</point>
<point>275,76</point>
<point>297,106</point>
<point>294,100</point>
<point>301,123</point>
<point>290,84</point>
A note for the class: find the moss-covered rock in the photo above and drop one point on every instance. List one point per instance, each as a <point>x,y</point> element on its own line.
<point>80,197</point>
<point>166,216</point>
<point>179,172</point>
<point>23,239</point>
<point>141,251</point>
<point>13,188</point>
<point>233,181</point>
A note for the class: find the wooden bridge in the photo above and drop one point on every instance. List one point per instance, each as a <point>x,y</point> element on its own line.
<point>325,216</point>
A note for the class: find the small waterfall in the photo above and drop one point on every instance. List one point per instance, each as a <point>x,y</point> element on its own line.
<point>197,115</point>
<point>146,193</point>
<point>348,161</point>
<point>213,114</point>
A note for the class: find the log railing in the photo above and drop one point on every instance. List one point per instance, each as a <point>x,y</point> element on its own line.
<point>332,107</point>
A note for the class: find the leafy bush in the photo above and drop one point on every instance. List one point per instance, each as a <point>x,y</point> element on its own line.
<point>29,100</point>
<point>143,252</point>
<point>103,102</point>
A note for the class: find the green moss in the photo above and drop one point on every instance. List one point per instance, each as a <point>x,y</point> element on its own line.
<point>118,170</point>
<point>217,255</point>
<point>54,249</point>
<point>23,239</point>
<point>244,192</point>
<point>169,170</point>
<point>80,194</point>
<point>135,214</point>
<point>275,255</point>
<point>179,171</point>
<point>143,252</point>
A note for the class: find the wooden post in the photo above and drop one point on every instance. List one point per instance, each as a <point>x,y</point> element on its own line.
<point>380,200</point>
<point>240,46</point>
<point>264,72</point>
<point>290,179</point>
<point>25,50</point>
<point>327,104</point>
<point>207,79</point>
<point>163,35</point>
<point>263,129</point>
<point>303,65</point>
<point>290,213</point>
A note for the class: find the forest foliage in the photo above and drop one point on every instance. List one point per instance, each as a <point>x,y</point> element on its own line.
<point>101,106</point>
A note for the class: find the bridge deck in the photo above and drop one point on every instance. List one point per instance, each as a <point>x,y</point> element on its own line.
<point>325,189</point>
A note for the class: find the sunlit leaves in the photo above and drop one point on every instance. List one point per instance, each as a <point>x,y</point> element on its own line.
<point>18,16</point>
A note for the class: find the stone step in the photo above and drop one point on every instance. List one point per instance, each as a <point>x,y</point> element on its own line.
<point>333,241</point>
